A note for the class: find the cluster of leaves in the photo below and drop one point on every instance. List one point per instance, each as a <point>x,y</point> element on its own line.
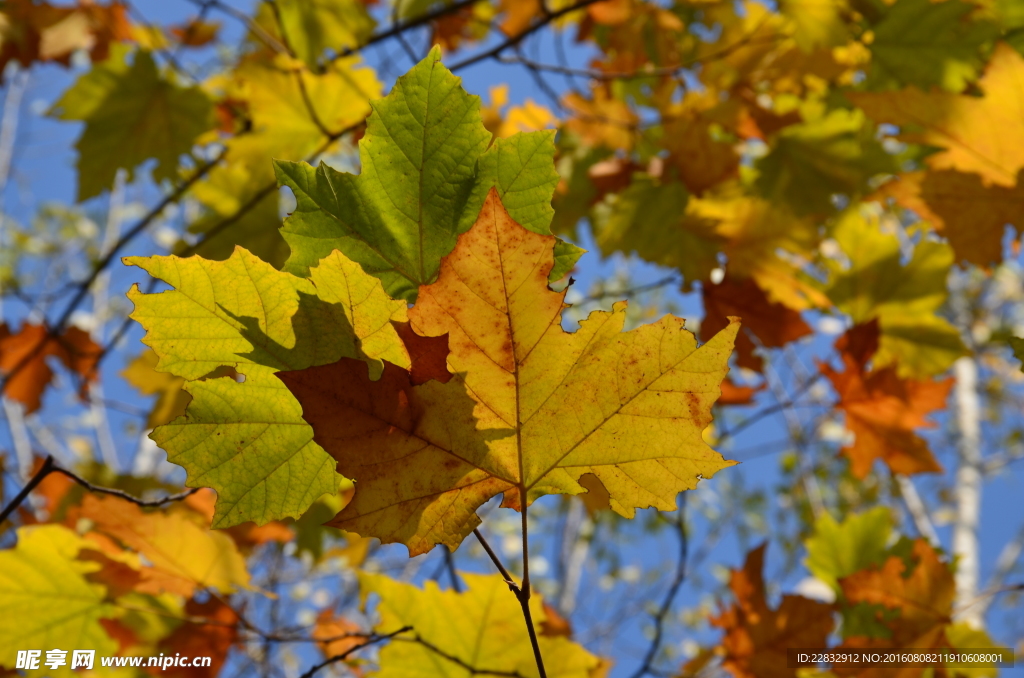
<point>391,356</point>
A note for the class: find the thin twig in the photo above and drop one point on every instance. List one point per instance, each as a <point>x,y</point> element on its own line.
<point>373,640</point>
<point>421,20</point>
<point>449,563</point>
<point>522,593</point>
<point>455,660</point>
<point>634,291</point>
<point>43,471</point>
<point>49,467</point>
<point>83,286</point>
<point>519,37</point>
<point>670,595</point>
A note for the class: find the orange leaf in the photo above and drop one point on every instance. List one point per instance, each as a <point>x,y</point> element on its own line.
<point>733,394</point>
<point>774,324</point>
<point>882,410</point>
<point>336,635</point>
<point>756,636</point>
<point>31,32</point>
<point>196,33</point>
<point>194,639</point>
<point>32,345</point>
<point>923,600</point>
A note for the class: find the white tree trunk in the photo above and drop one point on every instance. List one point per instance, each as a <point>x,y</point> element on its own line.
<point>968,492</point>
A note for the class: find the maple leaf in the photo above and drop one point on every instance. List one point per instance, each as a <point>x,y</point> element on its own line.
<point>601,120</point>
<point>774,324</point>
<point>922,599</point>
<point>426,168</point>
<point>970,214</point>
<point>702,158</point>
<point>313,26</point>
<point>977,134</point>
<point>247,440</point>
<point>184,553</point>
<point>818,158</point>
<point>756,636</point>
<point>529,409</point>
<point>212,639</point>
<point>921,43</point>
<point>171,398</point>
<point>196,33</point>
<point>336,635</point>
<point>31,31</point>
<point>282,127</point>
<point>882,410</point>
<point>132,113</point>
<point>648,218</point>
<point>904,298</point>
<point>836,550</point>
<point>481,627</point>
<point>46,600</point>
<point>33,343</point>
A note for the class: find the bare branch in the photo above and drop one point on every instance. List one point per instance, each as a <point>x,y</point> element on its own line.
<point>677,581</point>
<point>917,510</point>
<point>516,39</point>
<point>49,467</point>
<point>82,287</point>
<point>455,660</point>
<point>372,640</point>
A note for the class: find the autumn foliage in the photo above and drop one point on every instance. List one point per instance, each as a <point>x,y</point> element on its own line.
<point>337,302</point>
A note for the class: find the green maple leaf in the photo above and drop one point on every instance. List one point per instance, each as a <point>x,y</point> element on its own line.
<point>836,550</point>
<point>923,43</point>
<point>904,298</point>
<point>811,161</point>
<point>132,113</point>
<point>426,169</point>
<point>247,439</point>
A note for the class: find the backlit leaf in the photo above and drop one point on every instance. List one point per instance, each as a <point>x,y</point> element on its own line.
<point>132,113</point>
<point>482,627</point>
<point>247,440</point>
<point>529,408</point>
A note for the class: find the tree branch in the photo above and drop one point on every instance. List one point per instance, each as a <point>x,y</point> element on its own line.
<point>516,39</point>
<point>49,467</point>
<point>372,640</point>
<point>673,590</point>
<point>82,287</point>
<point>522,594</point>
<point>455,660</point>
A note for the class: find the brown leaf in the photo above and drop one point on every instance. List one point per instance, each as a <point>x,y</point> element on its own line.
<point>31,32</point>
<point>554,624</point>
<point>922,600</point>
<point>196,33</point>
<point>192,639</point>
<point>336,635</point>
<point>733,394</point>
<point>970,213</point>
<point>756,636</point>
<point>428,355</point>
<point>774,324</point>
<point>34,345</point>
<point>882,409</point>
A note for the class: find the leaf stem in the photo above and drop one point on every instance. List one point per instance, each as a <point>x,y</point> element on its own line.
<point>522,594</point>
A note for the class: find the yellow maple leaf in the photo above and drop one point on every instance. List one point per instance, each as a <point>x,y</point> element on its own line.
<point>529,408</point>
<point>481,627</point>
<point>185,553</point>
<point>978,134</point>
